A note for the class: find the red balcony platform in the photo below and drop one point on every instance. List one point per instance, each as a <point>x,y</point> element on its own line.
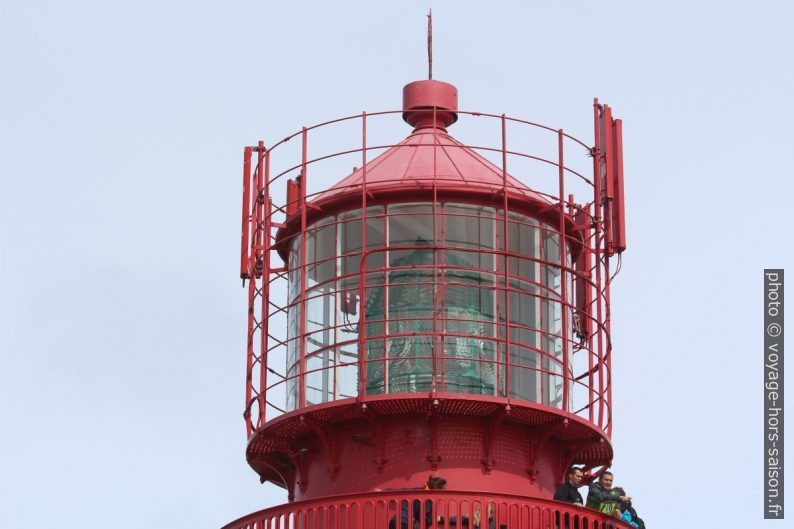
<point>427,509</point>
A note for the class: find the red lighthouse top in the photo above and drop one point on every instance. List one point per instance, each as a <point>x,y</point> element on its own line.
<point>430,313</point>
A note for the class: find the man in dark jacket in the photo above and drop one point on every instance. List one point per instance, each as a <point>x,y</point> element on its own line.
<point>568,491</point>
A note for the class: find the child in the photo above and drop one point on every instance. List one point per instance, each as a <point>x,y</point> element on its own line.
<point>627,512</point>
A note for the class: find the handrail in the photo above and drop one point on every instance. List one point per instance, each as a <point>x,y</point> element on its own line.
<point>584,334</point>
<point>442,509</point>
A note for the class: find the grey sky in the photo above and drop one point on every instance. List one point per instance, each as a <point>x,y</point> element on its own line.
<point>122,322</point>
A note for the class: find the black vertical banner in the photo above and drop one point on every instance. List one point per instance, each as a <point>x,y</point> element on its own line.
<point>773,394</point>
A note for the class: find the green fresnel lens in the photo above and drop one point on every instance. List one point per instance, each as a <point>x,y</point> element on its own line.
<point>466,359</point>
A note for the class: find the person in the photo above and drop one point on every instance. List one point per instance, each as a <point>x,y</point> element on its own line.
<point>435,483</point>
<point>627,512</point>
<point>602,497</point>
<point>490,522</point>
<point>569,491</point>
<point>412,519</point>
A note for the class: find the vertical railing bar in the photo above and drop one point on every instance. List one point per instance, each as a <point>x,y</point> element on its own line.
<point>303,269</point>
<point>250,355</point>
<point>337,304</point>
<point>360,515</point>
<point>572,295</point>
<point>506,259</point>
<point>589,323</point>
<point>608,352</point>
<point>436,350</point>
<point>265,325</point>
<point>497,290</point>
<point>443,296</point>
<point>386,298</point>
<point>252,292</point>
<point>597,250</point>
<point>362,278</point>
<point>544,320</point>
<point>562,249</point>
<point>422,516</point>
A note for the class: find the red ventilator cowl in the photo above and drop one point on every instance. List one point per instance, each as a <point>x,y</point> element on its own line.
<point>421,97</point>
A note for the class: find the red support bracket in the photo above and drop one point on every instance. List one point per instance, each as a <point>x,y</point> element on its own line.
<point>379,433</point>
<point>565,459</point>
<point>491,430</point>
<point>538,442</point>
<point>590,477</point>
<point>298,459</point>
<point>571,451</point>
<point>434,457</point>
<point>328,442</point>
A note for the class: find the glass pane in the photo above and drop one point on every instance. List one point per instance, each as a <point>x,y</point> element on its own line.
<point>410,225</point>
<point>551,253</point>
<point>410,357</point>
<point>475,298</point>
<point>474,230</point>
<point>293,356</point>
<point>375,295</point>
<point>350,242</point>
<point>552,345</point>
<point>294,270</point>
<point>319,377</point>
<point>375,309</point>
<point>320,311</point>
<point>321,253</point>
<point>347,313</point>
<point>524,372</point>
<point>376,367</point>
<point>347,372</point>
<point>468,354</point>
<point>293,329</point>
<point>523,243</point>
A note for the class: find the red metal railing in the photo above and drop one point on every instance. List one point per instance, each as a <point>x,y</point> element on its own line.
<point>585,361</point>
<point>430,509</point>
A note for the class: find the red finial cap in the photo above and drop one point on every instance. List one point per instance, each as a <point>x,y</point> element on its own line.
<point>420,97</point>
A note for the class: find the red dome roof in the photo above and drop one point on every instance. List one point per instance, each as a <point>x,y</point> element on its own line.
<point>427,153</point>
<point>408,170</point>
